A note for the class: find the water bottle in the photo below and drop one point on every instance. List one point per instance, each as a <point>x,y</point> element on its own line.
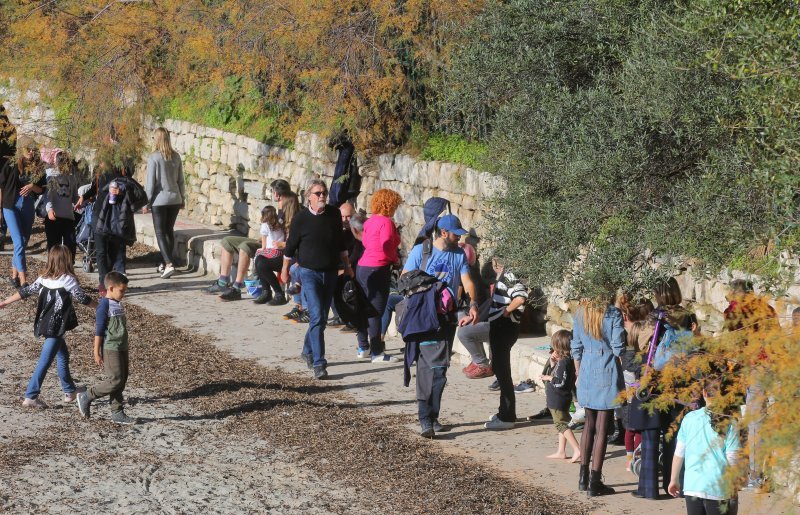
<point>112,197</point>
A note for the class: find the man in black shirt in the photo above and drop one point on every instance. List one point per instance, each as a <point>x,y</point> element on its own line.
<point>315,236</point>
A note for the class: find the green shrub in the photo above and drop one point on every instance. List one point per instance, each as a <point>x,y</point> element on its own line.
<point>618,136</point>
<point>455,149</point>
<point>233,106</point>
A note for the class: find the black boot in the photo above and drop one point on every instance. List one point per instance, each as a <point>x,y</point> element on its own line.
<point>617,434</point>
<point>596,486</point>
<point>583,479</point>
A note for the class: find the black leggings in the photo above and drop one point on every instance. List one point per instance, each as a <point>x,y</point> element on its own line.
<point>266,269</point>
<point>503,334</point>
<point>593,439</point>
<point>164,218</point>
<point>60,231</point>
<point>698,506</point>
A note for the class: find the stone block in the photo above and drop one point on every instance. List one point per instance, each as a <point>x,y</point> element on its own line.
<point>254,190</point>
<point>386,168</point>
<point>201,169</point>
<point>205,148</point>
<point>243,157</point>
<point>224,184</point>
<point>230,155</point>
<point>216,147</point>
<point>718,296</point>
<point>229,138</point>
<point>252,146</point>
<point>471,180</point>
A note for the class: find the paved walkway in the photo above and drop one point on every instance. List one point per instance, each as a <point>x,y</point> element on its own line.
<point>252,331</point>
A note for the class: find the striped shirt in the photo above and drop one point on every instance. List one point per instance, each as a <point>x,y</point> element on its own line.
<point>507,288</point>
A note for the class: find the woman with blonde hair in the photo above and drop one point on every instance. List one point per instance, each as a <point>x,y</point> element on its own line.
<point>166,194</point>
<point>374,271</point>
<point>598,339</point>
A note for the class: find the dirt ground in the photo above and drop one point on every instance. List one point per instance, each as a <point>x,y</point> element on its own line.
<point>219,434</point>
<point>231,422</point>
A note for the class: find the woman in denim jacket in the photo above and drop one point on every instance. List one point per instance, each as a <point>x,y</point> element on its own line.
<point>598,338</point>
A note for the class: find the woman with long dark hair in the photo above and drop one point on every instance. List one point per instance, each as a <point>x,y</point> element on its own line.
<point>598,339</point>
<point>165,191</point>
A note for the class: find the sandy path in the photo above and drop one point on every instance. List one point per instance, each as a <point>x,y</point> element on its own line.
<point>219,434</point>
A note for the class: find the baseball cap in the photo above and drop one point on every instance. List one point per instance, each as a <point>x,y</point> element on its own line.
<point>451,223</point>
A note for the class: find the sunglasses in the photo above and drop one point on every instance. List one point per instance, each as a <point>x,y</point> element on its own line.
<point>320,193</point>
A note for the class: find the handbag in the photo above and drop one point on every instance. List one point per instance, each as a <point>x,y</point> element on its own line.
<point>40,205</point>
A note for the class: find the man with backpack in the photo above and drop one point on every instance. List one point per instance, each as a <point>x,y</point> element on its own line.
<point>445,261</point>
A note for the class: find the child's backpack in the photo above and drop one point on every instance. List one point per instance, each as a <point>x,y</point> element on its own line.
<point>673,342</point>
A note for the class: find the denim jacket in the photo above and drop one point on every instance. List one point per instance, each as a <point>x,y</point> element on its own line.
<point>600,376</point>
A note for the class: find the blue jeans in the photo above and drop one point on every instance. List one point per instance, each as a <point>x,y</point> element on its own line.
<point>20,224</point>
<point>294,277</point>
<point>755,413</point>
<point>53,348</point>
<point>318,287</point>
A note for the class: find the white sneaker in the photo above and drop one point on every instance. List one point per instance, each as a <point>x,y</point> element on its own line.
<point>384,358</point>
<point>168,271</point>
<point>495,423</point>
<point>362,353</point>
<point>36,403</point>
<point>70,397</point>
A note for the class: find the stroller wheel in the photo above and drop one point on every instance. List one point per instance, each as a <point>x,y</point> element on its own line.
<point>87,265</point>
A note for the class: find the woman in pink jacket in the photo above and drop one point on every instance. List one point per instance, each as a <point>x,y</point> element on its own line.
<point>380,239</point>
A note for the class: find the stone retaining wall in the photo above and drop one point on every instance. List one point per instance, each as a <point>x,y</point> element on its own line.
<point>228,177</point>
<point>705,297</point>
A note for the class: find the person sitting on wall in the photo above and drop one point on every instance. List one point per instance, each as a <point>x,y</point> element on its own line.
<point>246,248</point>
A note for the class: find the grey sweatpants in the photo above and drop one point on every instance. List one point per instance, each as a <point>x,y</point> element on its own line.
<point>473,337</point>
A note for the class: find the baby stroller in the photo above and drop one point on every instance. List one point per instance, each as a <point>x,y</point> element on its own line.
<point>84,236</point>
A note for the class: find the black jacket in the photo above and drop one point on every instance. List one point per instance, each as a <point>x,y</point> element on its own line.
<point>116,220</point>
<point>558,391</point>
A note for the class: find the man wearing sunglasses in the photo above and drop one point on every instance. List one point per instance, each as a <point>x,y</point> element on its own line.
<point>315,240</point>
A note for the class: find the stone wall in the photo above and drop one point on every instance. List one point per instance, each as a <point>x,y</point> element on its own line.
<point>228,176</point>
<point>706,297</point>
<point>31,117</point>
<point>36,120</point>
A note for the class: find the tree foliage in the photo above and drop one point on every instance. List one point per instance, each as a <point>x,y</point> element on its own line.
<point>365,65</point>
<point>624,132</point>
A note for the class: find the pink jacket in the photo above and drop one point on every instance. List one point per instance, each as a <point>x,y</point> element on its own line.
<point>380,240</point>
